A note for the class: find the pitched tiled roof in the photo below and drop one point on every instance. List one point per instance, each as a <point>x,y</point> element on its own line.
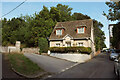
<point>70,28</point>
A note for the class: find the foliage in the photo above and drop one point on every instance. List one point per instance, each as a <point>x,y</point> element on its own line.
<point>114,15</point>
<point>22,64</point>
<point>114,11</point>
<point>80,16</point>
<point>29,29</point>
<point>98,35</point>
<point>85,50</point>
<point>43,44</point>
<point>116,35</point>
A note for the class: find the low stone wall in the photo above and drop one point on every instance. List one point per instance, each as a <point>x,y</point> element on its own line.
<point>15,49</point>
<point>30,50</point>
<point>72,57</point>
<point>3,49</point>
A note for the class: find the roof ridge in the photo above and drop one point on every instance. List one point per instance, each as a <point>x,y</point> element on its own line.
<point>75,20</point>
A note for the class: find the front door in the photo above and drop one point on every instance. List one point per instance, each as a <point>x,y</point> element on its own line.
<point>69,44</point>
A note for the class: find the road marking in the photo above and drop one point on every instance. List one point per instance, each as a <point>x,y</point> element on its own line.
<point>50,76</point>
<point>69,68</point>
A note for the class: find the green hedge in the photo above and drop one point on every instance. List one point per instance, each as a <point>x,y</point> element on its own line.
<point>43,45</point>
<point>84,50</point>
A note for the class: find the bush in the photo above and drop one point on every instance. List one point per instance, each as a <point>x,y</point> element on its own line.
<point>85,50</point>
<point>43,45</point>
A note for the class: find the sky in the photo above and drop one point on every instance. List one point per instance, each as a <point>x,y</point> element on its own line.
<point>92,9</point>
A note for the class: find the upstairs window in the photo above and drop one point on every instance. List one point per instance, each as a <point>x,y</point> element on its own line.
<point>59,32</point>
<point>81,30</point>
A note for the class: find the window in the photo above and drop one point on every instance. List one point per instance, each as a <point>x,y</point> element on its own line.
<point>58,32</point>
<point>80,30</point>
<point>80,44</point>
<point>57,44</point>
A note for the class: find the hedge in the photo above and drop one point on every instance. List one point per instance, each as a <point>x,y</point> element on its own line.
<point>84,50</point>
<point>43,45</point>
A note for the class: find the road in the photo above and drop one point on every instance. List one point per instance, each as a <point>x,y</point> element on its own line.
<point>49,64</point>
<point>98,67</point>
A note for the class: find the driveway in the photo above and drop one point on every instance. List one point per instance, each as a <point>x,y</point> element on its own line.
<point>49,64</point>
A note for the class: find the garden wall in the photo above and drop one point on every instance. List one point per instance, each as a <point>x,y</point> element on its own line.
<point>72,57</point>
<point>3,49</point>
<point>14,49</point>
<point>30,50</point>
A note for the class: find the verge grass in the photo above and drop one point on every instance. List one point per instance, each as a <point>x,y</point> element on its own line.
<point>23,65</point>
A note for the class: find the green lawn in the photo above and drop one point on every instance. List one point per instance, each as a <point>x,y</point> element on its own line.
<point>23,65</point>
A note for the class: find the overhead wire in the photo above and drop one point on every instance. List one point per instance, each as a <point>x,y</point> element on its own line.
<point>14,8</point>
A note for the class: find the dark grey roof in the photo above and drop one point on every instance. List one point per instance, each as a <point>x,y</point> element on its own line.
<point>70,28</point>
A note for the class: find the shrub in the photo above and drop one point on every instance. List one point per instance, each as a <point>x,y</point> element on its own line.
<point>83,50</point>
<point>43,45</point>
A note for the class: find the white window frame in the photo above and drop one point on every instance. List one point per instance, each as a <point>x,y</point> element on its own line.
<point>81,30</point>
<point>59,32</point>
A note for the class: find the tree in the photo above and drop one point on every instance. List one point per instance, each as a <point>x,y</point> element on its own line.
<point>55,14</point>
<point>32,30</point>
<point>114,11</point>
<point>113,15</point>
<point>42,25</point>
<point>65,12</point>
<point>98,35</point>
<point>80,16</point>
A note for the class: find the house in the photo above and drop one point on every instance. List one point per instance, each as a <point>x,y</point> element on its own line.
<point>73,34</point>
<point>110,28</point>
<point>114,29</point>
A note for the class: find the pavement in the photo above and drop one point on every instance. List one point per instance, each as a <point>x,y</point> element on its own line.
<point>49,64</point>
<point>7,72</point>
<point>0,66</point>
<point>98,67</point>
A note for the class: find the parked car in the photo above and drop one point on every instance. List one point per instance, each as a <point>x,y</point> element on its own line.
<point>117,67</point>
<point>103,51</point>
<point>113,55</point>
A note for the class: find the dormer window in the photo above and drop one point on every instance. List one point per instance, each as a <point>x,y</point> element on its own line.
<point>59,32</point>
<point>80,30</point>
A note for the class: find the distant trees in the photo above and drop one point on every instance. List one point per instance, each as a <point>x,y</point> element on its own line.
<point>79,16</point>
<point>32,29</point>
<point>114,11</point>
<point>99,35</point>
<point>113,15</point>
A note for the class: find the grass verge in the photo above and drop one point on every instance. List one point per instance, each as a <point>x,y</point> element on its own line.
<point>23,65</point>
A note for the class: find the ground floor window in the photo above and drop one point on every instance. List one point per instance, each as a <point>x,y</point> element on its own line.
<point>57,44</point>
<point>80,44</point>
